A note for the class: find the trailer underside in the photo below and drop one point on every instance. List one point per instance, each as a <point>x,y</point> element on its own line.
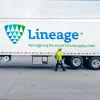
<point>75,62</point>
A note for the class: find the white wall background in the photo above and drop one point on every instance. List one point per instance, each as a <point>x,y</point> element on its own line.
<point>49,8</point>
<point>45,9</point>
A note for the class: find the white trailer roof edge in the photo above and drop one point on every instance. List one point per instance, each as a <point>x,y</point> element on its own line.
<point>52,19</point>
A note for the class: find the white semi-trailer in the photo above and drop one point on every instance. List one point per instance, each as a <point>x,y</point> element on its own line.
<point>41,38</point>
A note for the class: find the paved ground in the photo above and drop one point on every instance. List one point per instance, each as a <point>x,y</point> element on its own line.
<point>45,84</point>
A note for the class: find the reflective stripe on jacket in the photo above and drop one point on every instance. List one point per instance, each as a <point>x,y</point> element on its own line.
<point>58,56</point>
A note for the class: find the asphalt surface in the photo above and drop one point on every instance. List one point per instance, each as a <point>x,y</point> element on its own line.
<point>46,84</point>
<point>43,83</point>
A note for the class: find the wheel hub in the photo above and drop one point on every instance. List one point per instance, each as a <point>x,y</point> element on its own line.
<point>6,58</point>
<point>76,62</point>
<point>96,63</point>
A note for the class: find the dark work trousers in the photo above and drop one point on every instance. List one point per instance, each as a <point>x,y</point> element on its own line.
<point>61,64</point>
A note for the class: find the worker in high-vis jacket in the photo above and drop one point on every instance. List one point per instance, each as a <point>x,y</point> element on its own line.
<point>59,59</point>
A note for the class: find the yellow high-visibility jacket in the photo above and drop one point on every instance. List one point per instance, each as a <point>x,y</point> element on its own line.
<point>58,55</point>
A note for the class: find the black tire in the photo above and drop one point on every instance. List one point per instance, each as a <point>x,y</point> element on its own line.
<point>7,58</point>
<point>96,65</point>
<point>79,62</point>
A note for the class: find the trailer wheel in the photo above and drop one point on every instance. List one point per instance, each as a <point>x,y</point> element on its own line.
<point>94,63</point>
<point>76,62</point>
<point>7,58</point>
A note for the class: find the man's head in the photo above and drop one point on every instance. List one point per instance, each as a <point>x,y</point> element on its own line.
<point>60,49</point>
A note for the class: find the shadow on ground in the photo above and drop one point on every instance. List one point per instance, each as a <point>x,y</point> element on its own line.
<point>41,67</point>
